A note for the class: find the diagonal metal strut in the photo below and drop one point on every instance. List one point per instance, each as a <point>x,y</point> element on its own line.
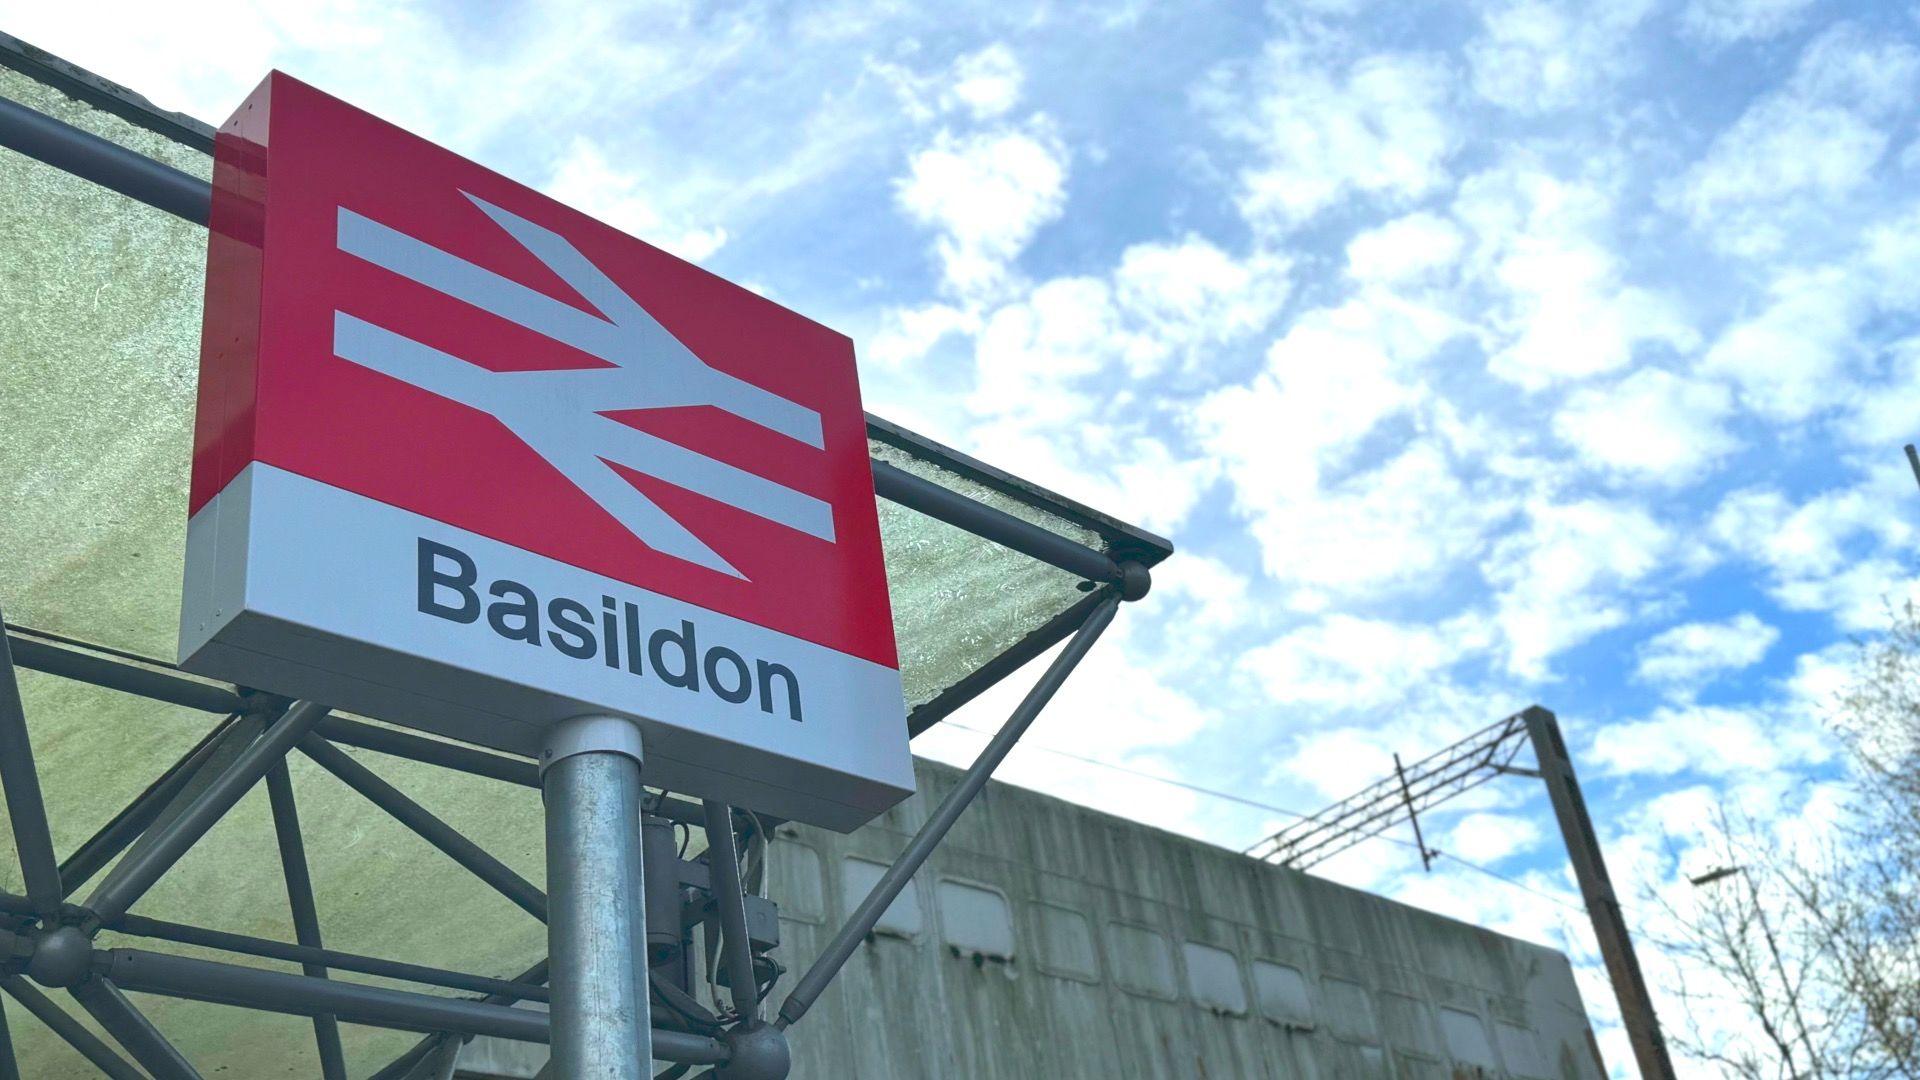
<point>867,915</point>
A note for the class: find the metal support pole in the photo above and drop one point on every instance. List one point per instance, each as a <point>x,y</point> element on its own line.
<point>139,815</point>
<point>56,1018</point>
<point>131,1029</point>
<point>284,992</point>
<point>1413,815</point>
<point>397,1068</point>
<point>596,929</point>
<point>457,847</point>
<point>91,157</point>
<point>1590,869</point>
<point>884,891</point>
<point>162,930</point>
<point>141,868</point>
<point>25,806</point>
<point>306,918</point>
<point>9,1065</point>
<point>944,504</point>
<point>723,865</point>
<point>114,673</point>
<point>466,759</point>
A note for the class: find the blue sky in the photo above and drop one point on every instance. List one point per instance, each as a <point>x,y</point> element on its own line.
<point>1472,355</point>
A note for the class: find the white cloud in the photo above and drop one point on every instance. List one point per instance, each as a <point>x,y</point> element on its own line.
<point>1723,21</point>
<point>1794,358</point>
<point>1569,575</point>
<point>1818,535</point>
<point>1354,663</point>
<point>1561,310</point>
<point>987,194</point>
<point>1857,597</point>
<point>1185,294</point>
<point>1336,374</point>
<point>905,334</point>
<point>1535,56</point>
<point>1406,249</point>
<point>585,180</point>
<point>1692,653</point>
<point>986,83</point>
<point>1791,160</point>
<point>1322,131</point>
<point>1484,837</point>
<point>1216,592</point>
<point>1712,740</point>
<point>1652,425</point>
<point>1883,412</point>
<point>1163,302</point>
<point>1844,552</point>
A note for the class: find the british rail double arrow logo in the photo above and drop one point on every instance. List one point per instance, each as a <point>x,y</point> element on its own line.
<point>559,414</point>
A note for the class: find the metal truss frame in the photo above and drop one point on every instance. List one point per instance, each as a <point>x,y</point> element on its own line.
<point>1442,775</point>
<point>1457,769</point>
<point>47,937</point>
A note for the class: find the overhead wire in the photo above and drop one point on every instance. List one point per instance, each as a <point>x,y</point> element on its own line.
<point>1200,789</point>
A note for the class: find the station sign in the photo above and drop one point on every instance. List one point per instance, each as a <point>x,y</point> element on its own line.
<point>471,461</point>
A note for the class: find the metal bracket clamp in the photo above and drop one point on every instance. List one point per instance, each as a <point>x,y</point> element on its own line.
<point>591,735</point>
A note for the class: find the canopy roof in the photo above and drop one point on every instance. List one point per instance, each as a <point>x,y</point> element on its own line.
<point>100,307</point>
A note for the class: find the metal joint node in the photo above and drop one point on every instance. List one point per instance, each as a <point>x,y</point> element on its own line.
<point>61,957</point>
<point>756,1051</point>
<point>591,735</point>
<point>1135,580</point>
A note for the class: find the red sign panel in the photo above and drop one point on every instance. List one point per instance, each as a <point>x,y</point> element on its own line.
<point>391,322</point>
<point>625,411</point>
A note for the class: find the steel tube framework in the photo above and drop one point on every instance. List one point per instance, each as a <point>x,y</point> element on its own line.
<point>524,894</point>
<point>145,678</point>
<point>130,1027</point>
<point>64,1025</point>
<point>140,869</point>
<point>138,816</point>
<point>306,920</point>
<point>163,930</point>
<point>9,1065</point>
<point>26,809</point>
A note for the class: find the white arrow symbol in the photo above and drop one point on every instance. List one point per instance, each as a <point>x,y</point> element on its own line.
<point>558,413</point>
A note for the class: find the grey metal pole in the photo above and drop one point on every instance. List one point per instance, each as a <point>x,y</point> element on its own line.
<point>430,828</point>
<point>1596,888</point>
<point>139,815</point>
<point>123,675</point>
<point>306,917</point>
<point>130,1027</point>
<point>884,891</point>
<point>723,865</point>
<point>28,811</point>
<point>9,1066</point>
<point>596,901</point>
<point>57,1019</point>
<point>140,869</point>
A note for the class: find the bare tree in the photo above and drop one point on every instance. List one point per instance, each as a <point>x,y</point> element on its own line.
<point>1818,945</point>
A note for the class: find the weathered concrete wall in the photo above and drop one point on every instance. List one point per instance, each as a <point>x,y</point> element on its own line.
<point>1047,940</point>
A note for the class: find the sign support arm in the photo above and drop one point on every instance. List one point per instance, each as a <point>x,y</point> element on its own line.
<point>888,888</point>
